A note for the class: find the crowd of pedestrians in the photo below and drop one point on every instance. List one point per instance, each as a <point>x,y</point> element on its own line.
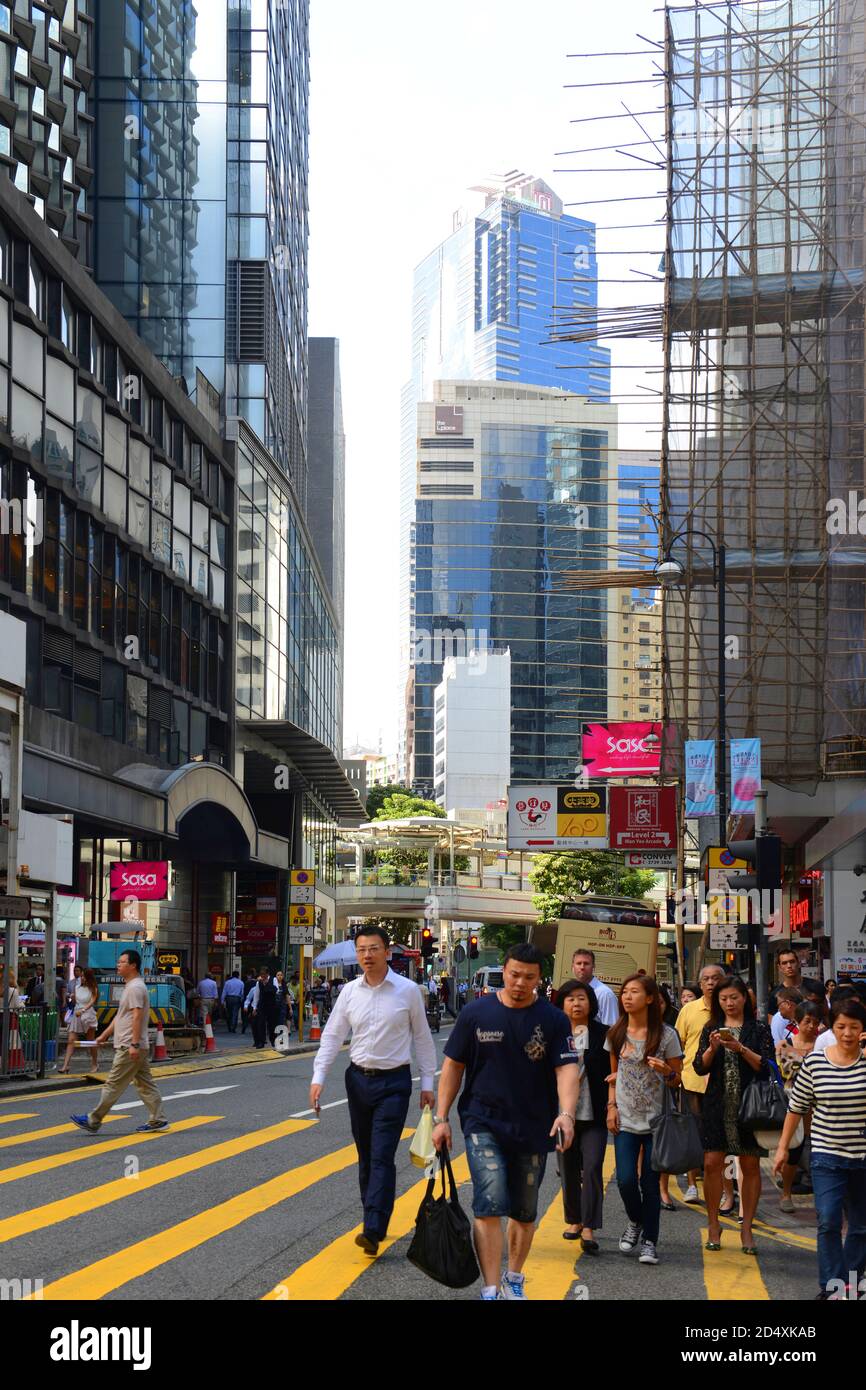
<point>531,1075</point>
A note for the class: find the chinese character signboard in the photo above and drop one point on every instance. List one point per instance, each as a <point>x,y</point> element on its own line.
<point>302,886</point>
<point>643,818</point>
<point>546,819</point>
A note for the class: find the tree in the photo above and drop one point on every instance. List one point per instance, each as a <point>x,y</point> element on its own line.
<point>399,929</point>
<point>556,878</point>
<point>376,795</point>
<point>400,804</point>
<point>501,935</point>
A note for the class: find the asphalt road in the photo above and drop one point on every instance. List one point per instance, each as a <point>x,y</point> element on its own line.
<point>247,1196</point>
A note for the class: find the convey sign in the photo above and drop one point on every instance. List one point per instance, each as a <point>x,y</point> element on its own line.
<point>643,818</point>
<point>139,878</point>
<point>650,859</point>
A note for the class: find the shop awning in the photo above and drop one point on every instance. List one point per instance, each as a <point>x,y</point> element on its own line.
<point>316,763</point>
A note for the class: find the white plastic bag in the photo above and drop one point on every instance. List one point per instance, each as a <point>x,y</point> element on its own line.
<point>421,1149</point>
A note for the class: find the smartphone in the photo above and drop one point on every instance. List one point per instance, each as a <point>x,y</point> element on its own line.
<point>726,1035</point>
<point>560,1139</point>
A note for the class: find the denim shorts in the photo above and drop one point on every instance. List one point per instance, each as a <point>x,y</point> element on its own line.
<point>504,1182</point>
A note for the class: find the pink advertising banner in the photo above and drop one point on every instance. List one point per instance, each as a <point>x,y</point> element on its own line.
<point>620,749</point>
<point>146,879</point>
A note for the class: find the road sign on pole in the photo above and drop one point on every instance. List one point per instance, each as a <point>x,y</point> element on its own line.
<point>14,908</point>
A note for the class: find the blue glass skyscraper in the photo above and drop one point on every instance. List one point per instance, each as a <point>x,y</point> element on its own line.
<point>489,520</point>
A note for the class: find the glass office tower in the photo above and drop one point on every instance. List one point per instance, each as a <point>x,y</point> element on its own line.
<point>200,201</point>
<point>483,307</point>
<point>517,495</point>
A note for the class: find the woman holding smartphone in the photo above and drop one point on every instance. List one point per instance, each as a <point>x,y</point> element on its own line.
<point>734,1049</point>
<point>647,1056</point>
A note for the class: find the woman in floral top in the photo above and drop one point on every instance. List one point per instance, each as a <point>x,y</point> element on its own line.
<point>734,1049</point>
<point>647,1055</point>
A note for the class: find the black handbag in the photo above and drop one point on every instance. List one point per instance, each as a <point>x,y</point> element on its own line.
<point>442,1244</point>
<point>677,1143</point>
<point>764,1104</point>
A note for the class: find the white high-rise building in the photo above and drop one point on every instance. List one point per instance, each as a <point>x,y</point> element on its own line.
<point>472,761</point>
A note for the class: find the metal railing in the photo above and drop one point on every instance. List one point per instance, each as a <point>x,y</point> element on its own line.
<point>29,1042</point>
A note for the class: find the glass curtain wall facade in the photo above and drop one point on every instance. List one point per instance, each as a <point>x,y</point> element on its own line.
<point>288,664</point>
<point>201,199</point>
<point>483,307</point>
<point>116,529</point>
<point>489,572</point>
<point>46,124</point>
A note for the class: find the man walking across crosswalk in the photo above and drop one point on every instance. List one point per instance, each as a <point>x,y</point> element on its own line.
<point>131,1061</point>
<point>386,1015</point>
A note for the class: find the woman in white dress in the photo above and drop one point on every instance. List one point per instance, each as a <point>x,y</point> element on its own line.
<point>83,1021</point>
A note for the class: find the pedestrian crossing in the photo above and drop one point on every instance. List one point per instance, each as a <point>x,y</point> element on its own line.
<point>555,1270</point>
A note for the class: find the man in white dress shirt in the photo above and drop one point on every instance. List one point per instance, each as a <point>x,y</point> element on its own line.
<point>386,1015</point>
<point>583,969</point>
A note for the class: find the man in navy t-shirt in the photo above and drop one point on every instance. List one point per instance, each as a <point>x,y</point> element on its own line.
<point>515,1053</point>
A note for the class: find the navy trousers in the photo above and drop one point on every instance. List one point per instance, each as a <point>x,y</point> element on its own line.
<point>378,1106</point>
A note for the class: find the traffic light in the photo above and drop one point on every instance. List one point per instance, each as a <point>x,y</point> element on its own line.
<point>473,948</point>
<point>426,943</point>
<point>765,854</point>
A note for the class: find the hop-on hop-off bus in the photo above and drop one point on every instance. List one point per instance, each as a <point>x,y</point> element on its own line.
<point>622,933</point>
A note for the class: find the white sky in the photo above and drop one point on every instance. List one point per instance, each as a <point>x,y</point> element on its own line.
<point>411,104</point>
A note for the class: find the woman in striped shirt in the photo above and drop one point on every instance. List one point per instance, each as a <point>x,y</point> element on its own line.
<point>832,1085</point>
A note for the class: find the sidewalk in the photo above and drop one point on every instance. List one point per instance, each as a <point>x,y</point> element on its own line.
<point>232,1050</point>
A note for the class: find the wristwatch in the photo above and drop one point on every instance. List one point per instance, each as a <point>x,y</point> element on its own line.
<point>568,1115</point>
<point>440,1120</point>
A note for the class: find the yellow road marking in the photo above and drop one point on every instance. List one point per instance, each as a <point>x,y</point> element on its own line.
<point>549,1268</point>
<point>7,1119</point>
<point>44,1165</point>
<point>327,1275</point>
<point>96,1280</point>
<point>39,1217</point>
<point>729,1274</point>
<point>30,1135</point>
<point>777,1233</point>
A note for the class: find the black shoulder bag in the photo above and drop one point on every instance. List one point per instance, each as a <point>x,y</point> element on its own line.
<point>442,1244</point>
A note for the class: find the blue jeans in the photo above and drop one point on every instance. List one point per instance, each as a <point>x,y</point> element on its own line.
<point>839,1185</point>
<point>505,1182</point>
<point>378,1106</point>
<point>641,1196</point>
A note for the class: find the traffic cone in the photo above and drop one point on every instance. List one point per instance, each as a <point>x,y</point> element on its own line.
<point>209,1044</point>
<point>160,1051</point>
<point>16,1051</point>
<point>315,1030</point>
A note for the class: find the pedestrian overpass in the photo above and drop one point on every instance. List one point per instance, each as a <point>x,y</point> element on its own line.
<point>426,866</point>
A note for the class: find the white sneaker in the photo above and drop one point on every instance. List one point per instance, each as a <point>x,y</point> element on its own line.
<point>629,1238</point>
<point>692,1194</point>
<point>494,1297</point>
<point>512,1287</point>
<point>648,1254</point>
